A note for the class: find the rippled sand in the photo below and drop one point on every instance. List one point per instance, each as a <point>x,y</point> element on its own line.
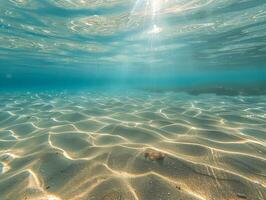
<point>92,146</point>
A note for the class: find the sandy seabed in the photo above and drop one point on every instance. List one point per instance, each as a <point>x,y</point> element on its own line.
<point>97,146</point>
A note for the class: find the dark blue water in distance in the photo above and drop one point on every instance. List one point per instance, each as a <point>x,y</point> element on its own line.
<point>132,99</point>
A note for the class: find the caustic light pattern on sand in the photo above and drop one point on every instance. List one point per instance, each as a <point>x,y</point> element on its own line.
<point>60,146</point>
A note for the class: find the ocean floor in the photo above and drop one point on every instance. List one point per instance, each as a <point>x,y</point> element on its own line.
<point>135,146</point>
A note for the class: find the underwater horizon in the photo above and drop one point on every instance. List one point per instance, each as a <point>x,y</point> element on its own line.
<point>132,100</point>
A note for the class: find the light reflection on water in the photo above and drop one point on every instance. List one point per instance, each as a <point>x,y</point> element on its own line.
<point>84,35</point>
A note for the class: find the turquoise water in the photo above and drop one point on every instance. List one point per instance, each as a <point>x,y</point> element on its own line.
<point>175,42</point>
<point>132,100</point>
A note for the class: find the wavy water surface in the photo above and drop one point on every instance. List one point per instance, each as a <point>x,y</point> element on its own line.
<point>84,34</point>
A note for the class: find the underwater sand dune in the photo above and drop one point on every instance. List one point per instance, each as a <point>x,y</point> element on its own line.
<point>89,146</point>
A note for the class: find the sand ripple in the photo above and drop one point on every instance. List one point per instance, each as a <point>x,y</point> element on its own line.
<point>63,146</point>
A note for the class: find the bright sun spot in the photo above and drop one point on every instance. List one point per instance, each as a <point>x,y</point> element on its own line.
<point>155,30</point>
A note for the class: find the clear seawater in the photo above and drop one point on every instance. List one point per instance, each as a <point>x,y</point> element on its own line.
<point>132,100</point>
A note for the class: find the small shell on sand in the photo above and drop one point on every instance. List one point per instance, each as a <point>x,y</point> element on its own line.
<point>154,155</point>
<point>241,195</point>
